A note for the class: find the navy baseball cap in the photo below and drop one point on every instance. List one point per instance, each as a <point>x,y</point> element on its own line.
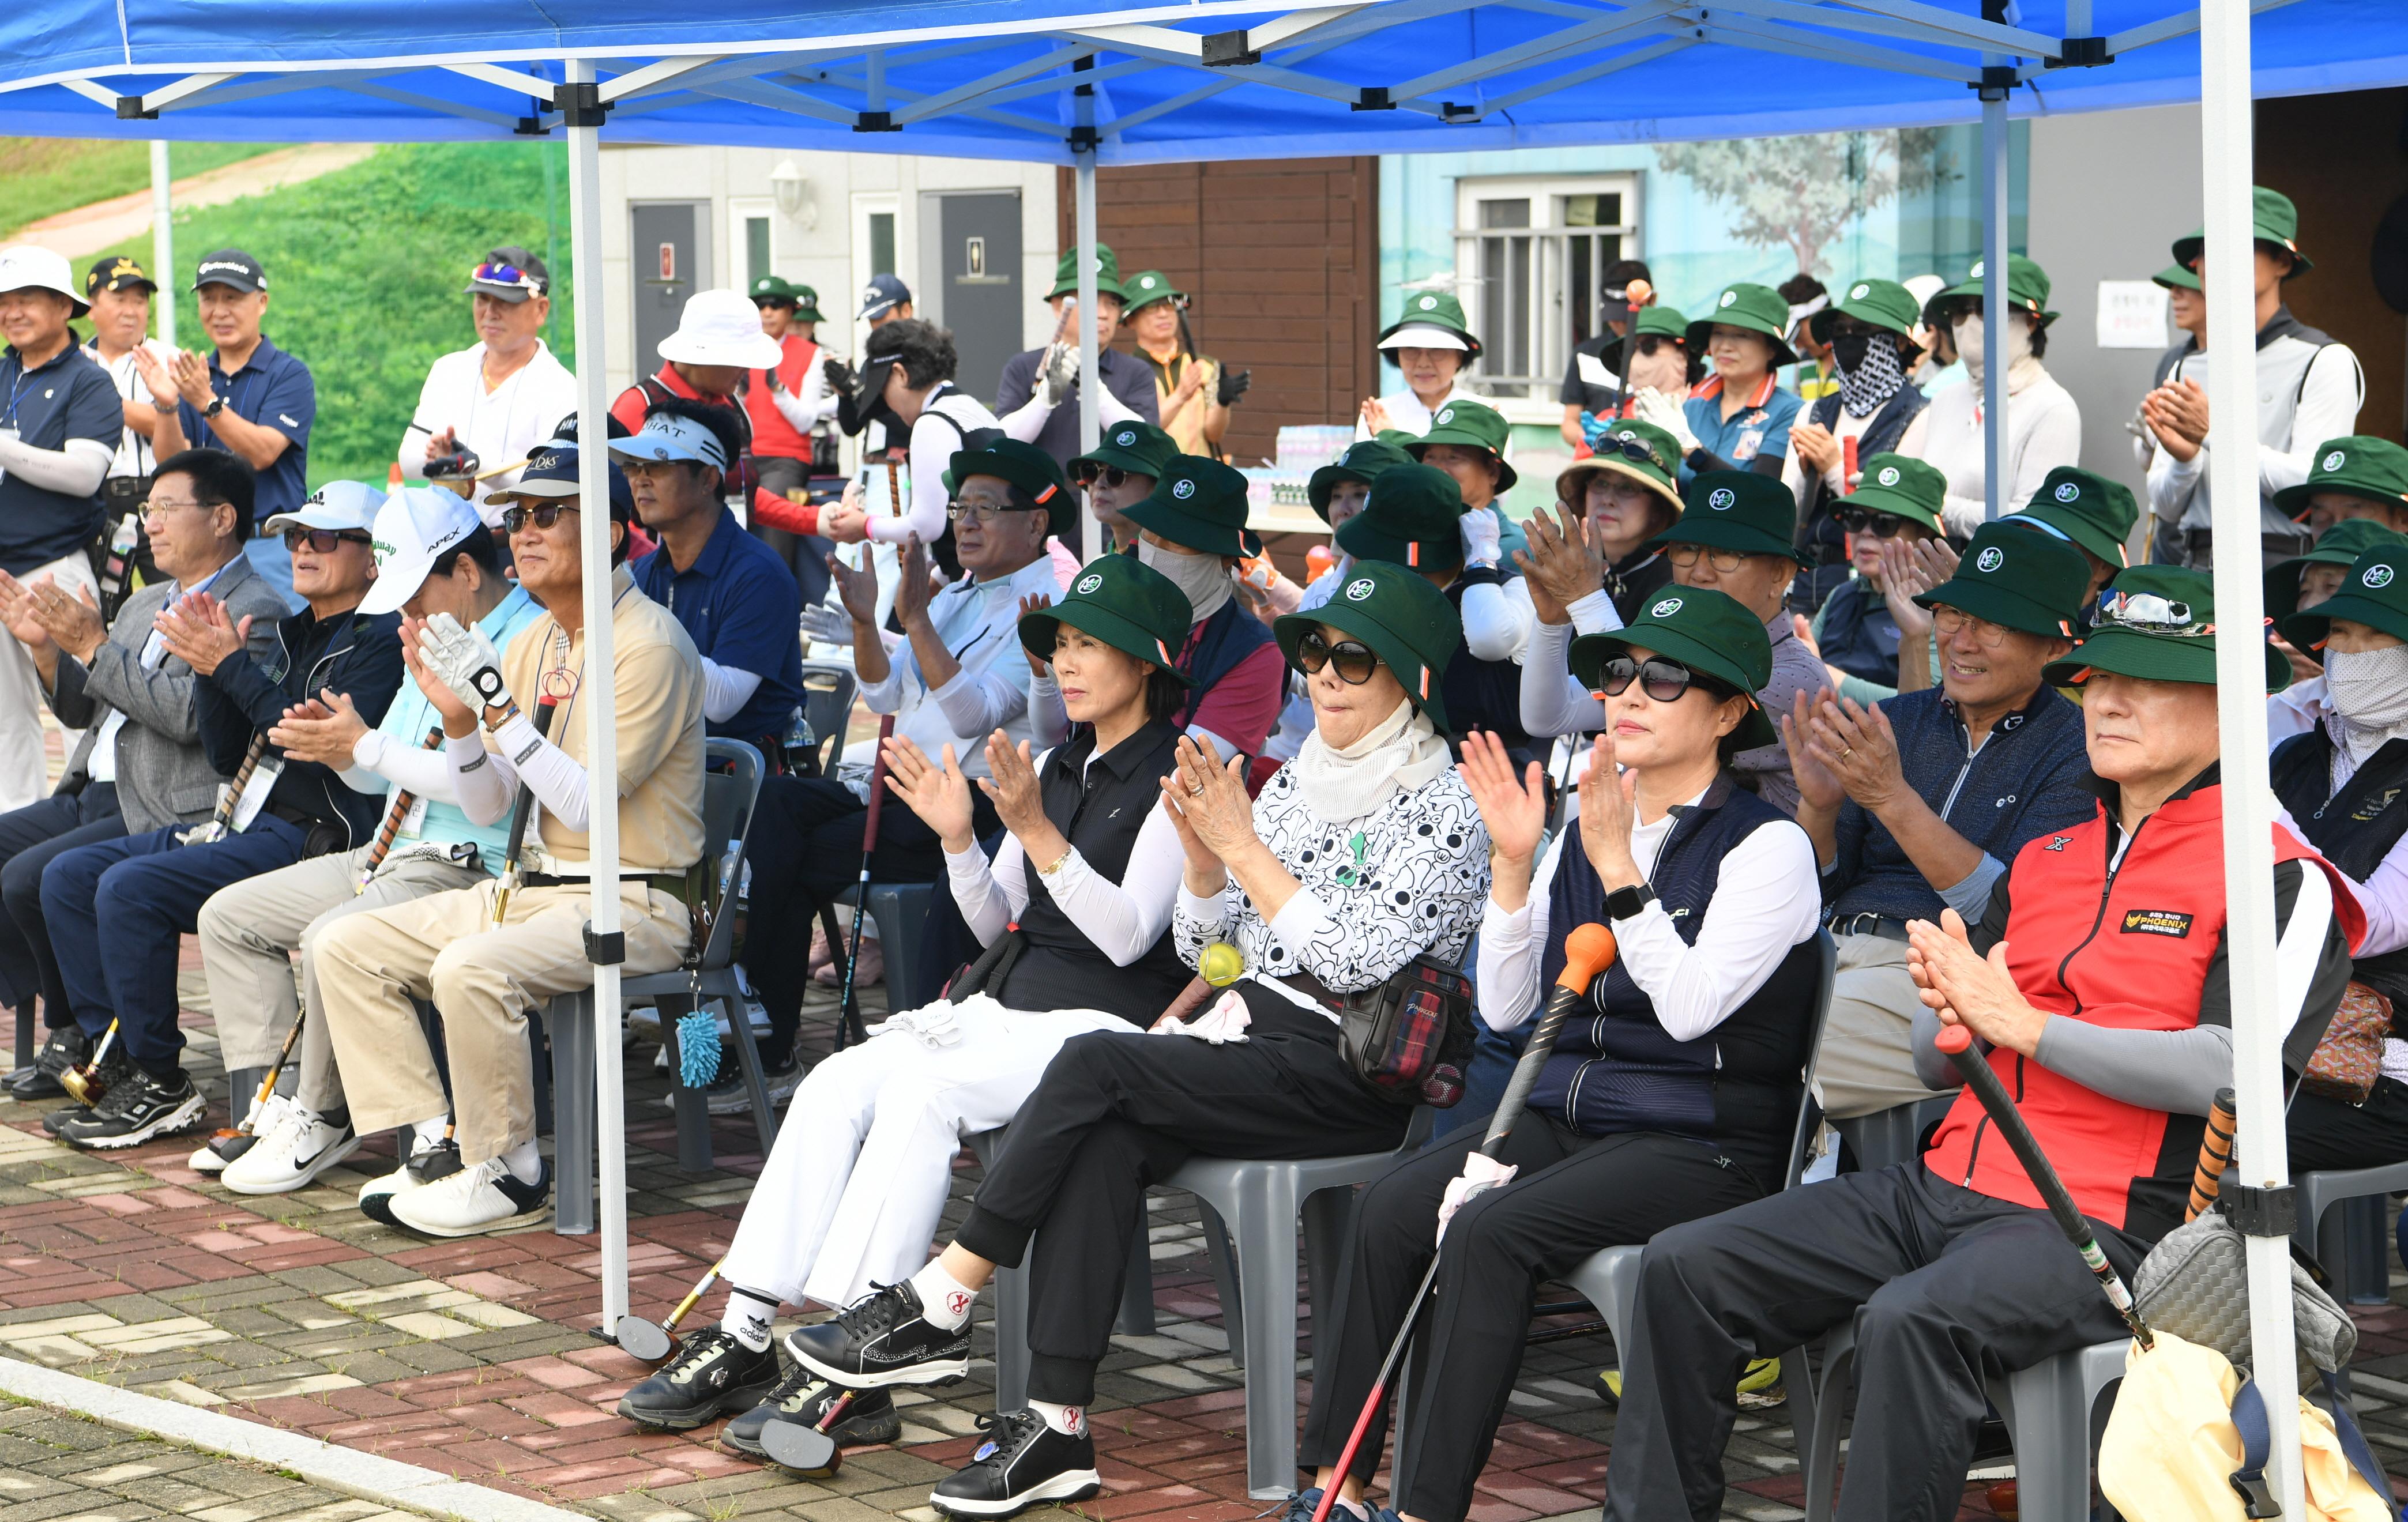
<point>551,473</point>
<point>883,294</point>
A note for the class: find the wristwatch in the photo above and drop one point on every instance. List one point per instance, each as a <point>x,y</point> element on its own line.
<point>217,405</point>
<point>1628,902</point>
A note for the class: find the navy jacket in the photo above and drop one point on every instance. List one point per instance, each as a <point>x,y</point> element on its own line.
<point>354,654</point>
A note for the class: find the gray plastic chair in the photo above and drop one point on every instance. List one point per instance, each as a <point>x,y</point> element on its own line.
<point>828,688</point>
<point>1891,1137</point>
<point>2348,1242</point>
<point>728,799</point>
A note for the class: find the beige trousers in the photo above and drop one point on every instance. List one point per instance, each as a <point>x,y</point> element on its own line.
<point>25,770</point>
<point>482,979</point>
<point>1865,1065</point>
<point>248,931</point>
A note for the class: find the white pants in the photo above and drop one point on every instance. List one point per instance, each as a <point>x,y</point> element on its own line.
<point>853,1191</point>
<point>25,770</point>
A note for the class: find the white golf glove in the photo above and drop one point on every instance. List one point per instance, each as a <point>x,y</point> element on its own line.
<point>1654,406</point>
<point>1481,1174</point>
<point>931,1025</point>
<point>1482,538</point>
<point>466,661</point>
<point>1058,373</point>
<point>1222,1024</point>
<point>827,625</point>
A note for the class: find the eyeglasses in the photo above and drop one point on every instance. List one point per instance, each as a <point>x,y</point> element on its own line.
<point>977,513</point>
<point>1947,622</point>
<point>321,540</point>
<point>516,519</point>
<point>1879,525</point>
<point>1112,476</point>
<point>497,273</point>
<point>1724,561</point>
<point>162,506</point>
<point>1662,680</point>
<point>1354,660</point>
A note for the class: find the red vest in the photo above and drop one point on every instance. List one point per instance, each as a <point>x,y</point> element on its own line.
<point>2131,951</point>
<point>771,432</point>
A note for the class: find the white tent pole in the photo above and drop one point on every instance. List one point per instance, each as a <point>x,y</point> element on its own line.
<point>1994,304</point>
<point>595,694</point>
<point>162,241</point>
<point>2258,1025</point>
<point>1091,380</point>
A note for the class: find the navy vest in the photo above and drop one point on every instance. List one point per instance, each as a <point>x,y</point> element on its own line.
<point>1615,1068</point>
<point>1858,634</point>
<point>1484,694</point>
<point>1227,637</point>
<point>2355,827</point>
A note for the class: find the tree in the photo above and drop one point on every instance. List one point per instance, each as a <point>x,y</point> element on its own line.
<point>1801,192</point>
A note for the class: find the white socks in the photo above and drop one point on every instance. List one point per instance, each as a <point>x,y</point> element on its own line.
<point>748,1318</point>
<point>1068,1420</point>
<point>425,1134</point>
<point>944,1300</point>
<point>524,1162</point>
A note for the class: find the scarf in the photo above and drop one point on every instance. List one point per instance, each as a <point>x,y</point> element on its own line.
<point>1870,375</point>
<point>1202,578</point>
<point>1401,752</point>
<point>2368,691</point>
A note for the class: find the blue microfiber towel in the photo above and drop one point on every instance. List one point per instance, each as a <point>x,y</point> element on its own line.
<point>698,1033</point>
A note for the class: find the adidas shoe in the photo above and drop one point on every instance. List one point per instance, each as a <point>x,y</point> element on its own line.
<point>804,1397</point>
<point>713,1372</point>
<point>882,1339</point>
<point>136,1108</point>
<point>302,1145</point>
<point>219,1151</point>
<point>1024,1463</point>
<point>427,1163</point>
<point>480,1197</point>
<point>67,1047</point>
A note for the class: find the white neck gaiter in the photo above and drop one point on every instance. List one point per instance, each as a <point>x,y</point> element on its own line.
<point>2367,691</point>
<point>1403,750</point>
<point>1202,578</point>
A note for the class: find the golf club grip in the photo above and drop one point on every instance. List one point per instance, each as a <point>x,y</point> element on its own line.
<point>525,805</point>
<point>242,779</point>
<point>1983,1081</point>
<point>2215,1154</point>
<point>1525,1071</point>
<point>877,789</point>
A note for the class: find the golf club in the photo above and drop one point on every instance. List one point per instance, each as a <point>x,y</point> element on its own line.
<point>2215,1153</point>
<point>653,1342</point>
<point>1588,951</point>
<point>1956,1042</point>
<point>521,811</point>
<point>848,1013</point>
<point>83,1083</point>
<point>810,1449</point>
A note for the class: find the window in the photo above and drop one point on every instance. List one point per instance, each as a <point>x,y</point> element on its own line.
<point>756,249</point>
<point>1531,257</point>
<point>751,252</point>
<point>881,243</point>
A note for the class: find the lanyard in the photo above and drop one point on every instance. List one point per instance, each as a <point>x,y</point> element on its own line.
<point>16,389</point>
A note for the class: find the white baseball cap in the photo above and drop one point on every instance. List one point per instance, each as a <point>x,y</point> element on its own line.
<point>29,266</point>
<point>345,506</point>
<point>414,526</point>
<point>667,436</point>
<point>722,327</point>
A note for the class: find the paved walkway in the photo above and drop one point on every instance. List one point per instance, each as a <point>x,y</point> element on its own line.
<point>55,1467</point>
<point>104,224</point>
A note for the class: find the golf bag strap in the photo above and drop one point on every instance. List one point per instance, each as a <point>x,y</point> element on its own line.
<point>2256,1441</point>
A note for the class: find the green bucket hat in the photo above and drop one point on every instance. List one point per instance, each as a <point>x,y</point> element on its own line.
<point>1408,624</point>
<point>2081,505</point>
<point>1143,291</point>
<point>1471,425</point>
<point>1658,321</point>
<point>1745,510</point>
<point>1364,461</point>
<point>1108,273</point>
<point>1882,304</point>
<point>2177,278</point>
<point>1129,605</point>
<point>2342,544</point>
<point>1133,446</point>
<point>2158,623</point>
<point>770,287</point>
<point>1641,451</point>
<point>1438,313</point>
<point>2034,582</point>
<point>2027,287</point>
<point>806,305</point>
<point>1704,630</point>
<point>1025,466</point>
<point>1903,487</point>
<point>1200,503</point>
<point>1758,308</point>
<point>2361,465</point>
<point>2272,219</point>
<point>1414,519</point>
<point>2374,594</point>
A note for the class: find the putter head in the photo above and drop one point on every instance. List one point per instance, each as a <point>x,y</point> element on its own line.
<point>642,1339</point>
<point>798,1446</point>
<point>83,1085</point>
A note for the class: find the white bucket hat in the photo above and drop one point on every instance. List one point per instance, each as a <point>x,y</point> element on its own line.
<point>722,327</point>
<point>29,266</point>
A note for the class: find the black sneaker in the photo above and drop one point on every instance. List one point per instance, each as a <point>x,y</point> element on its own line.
<point>136,1108</point>
<point>713,1372</point>
<point>115,1068</point>
<point>804,1397</point>
<point>1024,1463</point>
<point>67,1047</point>
<point>882,1339</point>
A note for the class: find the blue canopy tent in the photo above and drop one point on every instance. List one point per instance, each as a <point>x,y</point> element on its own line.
<point>1060,81</point>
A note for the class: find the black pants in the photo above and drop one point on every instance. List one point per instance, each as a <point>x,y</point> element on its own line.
<point>2329,1134</point>
<point>1945,1285</point>
<point>1574,1196</point>
<point>805,554</point>
<point>29,838</point>
<point>1117,1112</point>
<point>804,849</point>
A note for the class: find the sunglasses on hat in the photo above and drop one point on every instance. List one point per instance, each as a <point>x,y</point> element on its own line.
<point>1879,525</point>
<point>493,273</point>
<point>321,540</point>
<point>1354,660</point>
<point>517,517</point>
<point>1661,680</point>
<point>1628,448</point>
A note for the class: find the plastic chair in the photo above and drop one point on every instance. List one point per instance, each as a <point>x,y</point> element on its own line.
<point>1893,1135</point>
<point>728,799</point>
<point>828,688</point>
<point>2348,1243</point>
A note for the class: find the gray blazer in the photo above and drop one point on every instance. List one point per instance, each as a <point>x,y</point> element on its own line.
<point>162,777</point>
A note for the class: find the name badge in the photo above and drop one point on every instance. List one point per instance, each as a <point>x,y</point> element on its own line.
<point>413,823</point>
<point>255,792</point>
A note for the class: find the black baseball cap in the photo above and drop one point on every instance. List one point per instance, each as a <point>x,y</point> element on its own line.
<point>882,295</point>
<point>116,273</point>
<point>230,267</point>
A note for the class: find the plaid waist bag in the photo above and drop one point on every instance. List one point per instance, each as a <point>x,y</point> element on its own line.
<point>1410,1038</point>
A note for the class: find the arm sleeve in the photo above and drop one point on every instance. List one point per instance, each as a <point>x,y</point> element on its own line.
<point>557,779</point>
<point>482,784</point>
<point>1110,409</point>
<point>983,699</point>
<point>377,761</point>
<point>2330,394</point>
<point>1970,895</point>
<point>1196,922</point>
<point>1496,620</point>
<point>1241,707</point>
<point>774,511</point>
<point>1510,944</point>
<point>933,441</point>
<point>74,469</point>
<point>2173,482</point>
<point>1864,691</point>
<point>1763,905</point>
<point>990,895</point>
<point>1553,701</point>
<point>1026,422</point>
<point>1049,722</point>
<point>725,691</point>
<point>1126,919</point>
<point>801,416</point>
<point>1362,939</point>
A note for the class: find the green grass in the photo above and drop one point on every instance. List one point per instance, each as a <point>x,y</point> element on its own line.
<point>41,176</point>
<point>364,267</point>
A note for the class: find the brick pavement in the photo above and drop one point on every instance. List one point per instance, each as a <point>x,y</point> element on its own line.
<point>59,1468</point>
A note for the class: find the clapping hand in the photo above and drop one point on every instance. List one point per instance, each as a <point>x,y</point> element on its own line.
<point>912,585</point>
<point>1904,576</point>
<point>73,623</point>
<point>1515,808</point>
<point>323,730</point>
<point>1855,744</point>
<point>940,795</point>
<point>459,719</point>
<point>1609,812</point>
<point>1374,416</point>
<point>198,633</point>
<point>1563,564</point>
<point>1967,988</point>
<point>17,614</point>
<point>1208,804</point>
<point>1817,784</point>
<point>1814,447</point>
<point>190,376</point>
<point>857,590</point>
<point>1037,664</point>
<point>1011,786</point>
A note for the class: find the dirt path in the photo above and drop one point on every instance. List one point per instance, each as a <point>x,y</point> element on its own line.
<point>104,224</point>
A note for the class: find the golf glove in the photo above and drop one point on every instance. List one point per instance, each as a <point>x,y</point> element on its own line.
<point>466,661</point>
<point>827,625</point>
<point>1222,1024</point>
<point>1233,386</point>
<point>1481,1174</point>
<point>931,1025</point>
<point>1482,538</point>
<point>1654,406</point>
<point>1058,373</point>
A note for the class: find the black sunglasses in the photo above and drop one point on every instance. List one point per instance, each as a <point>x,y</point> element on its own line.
<point>321,540</point>
<point>1662,680</point>
<point>517,518</point>
<point>1355,660</point>
<point>1112,476</point>
<point>1879,525</point>
<point>1629,448</point>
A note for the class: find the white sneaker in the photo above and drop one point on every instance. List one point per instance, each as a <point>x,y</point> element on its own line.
<point>481,1197</point>
<point>302,1146</point>
<point>219,1151</point>
<point>429,1162</point>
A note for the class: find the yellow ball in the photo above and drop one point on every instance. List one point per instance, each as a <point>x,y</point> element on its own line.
<point>1222,964</point>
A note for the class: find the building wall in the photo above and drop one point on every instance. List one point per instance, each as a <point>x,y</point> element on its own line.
<point>2342,195</point>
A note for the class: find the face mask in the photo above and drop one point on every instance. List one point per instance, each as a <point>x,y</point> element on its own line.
<point>1968,330</point>
<point>1202,578</point>
<point>1870,375</point>
<point>2369,687</point>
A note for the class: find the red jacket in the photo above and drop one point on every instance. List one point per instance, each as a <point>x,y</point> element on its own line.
<point>2140,947</point>
<point>772,434</point>
<point>767,507</point>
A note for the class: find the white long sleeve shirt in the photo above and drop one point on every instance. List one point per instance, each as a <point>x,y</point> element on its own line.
<point>946,419</point>
<point>1123,919</point>
<point>2306,395</point>
<point>980,624</point>
<point>2043,431</point>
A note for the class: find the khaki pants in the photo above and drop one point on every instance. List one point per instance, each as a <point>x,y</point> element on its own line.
<point>1865,1064</point>
<point>249,933</point>
<point>482,979</point>
<point>25,770</point>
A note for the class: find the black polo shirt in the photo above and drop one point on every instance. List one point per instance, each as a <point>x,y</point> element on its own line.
<point>70,397</point>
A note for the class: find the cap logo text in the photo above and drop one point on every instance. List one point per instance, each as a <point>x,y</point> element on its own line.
<point>1125,437</point>
<point>2335,460</point>
<point>1990,559</point>
<point>1446,416</point>
<point>1182,490</point>
<point>1721,498</point>
<point>1665,608</point>
<point>1888,476</point>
